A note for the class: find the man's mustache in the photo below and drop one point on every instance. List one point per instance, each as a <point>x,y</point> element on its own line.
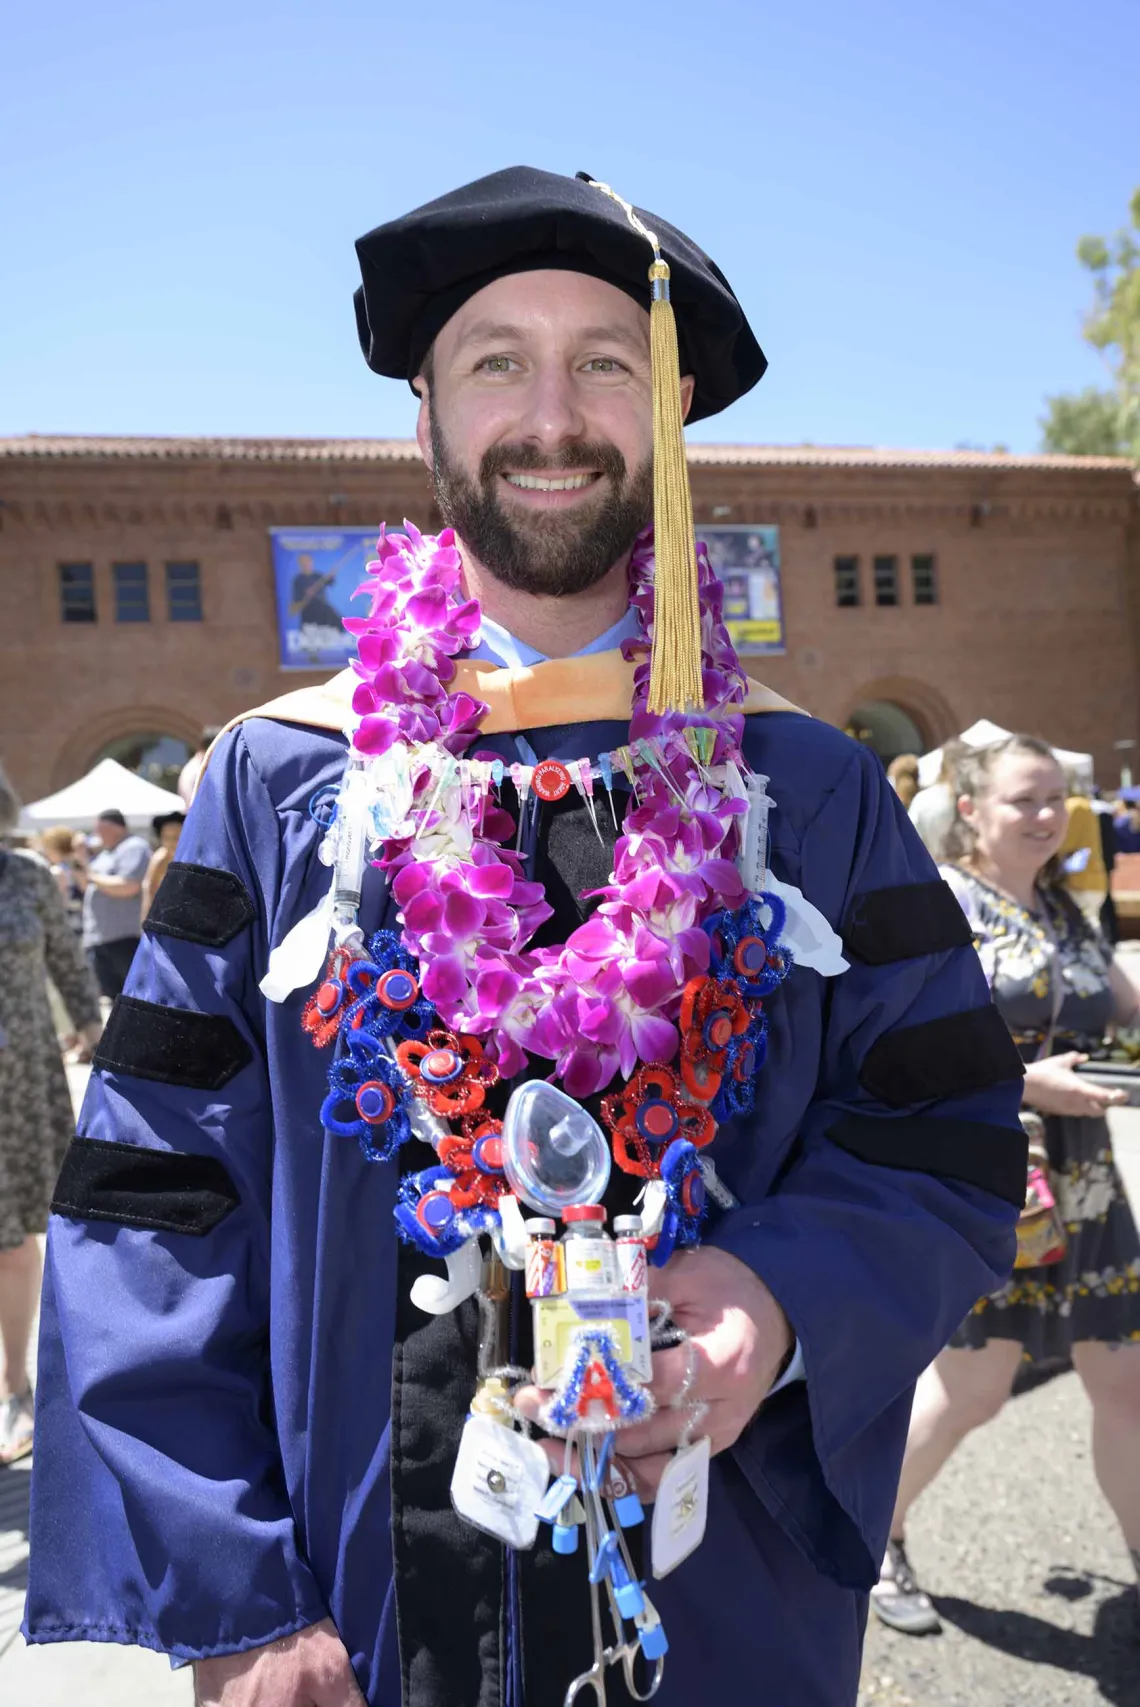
<point>528,459</point>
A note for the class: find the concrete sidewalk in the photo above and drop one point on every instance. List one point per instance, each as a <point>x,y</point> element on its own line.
<point>103,1675</point>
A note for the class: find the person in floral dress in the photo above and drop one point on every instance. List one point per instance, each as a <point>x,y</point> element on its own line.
<point>36,1122</point>
<point>1058,988</point>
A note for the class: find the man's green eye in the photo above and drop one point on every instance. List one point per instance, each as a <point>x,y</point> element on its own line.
<point>604,364</point>
<point>497,364</point>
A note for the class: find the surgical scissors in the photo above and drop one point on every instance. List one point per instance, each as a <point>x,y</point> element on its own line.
<point>625,1652</point>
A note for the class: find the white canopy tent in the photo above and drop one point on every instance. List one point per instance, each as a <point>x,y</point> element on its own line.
<point>983,733</point>
<point>109,784</point>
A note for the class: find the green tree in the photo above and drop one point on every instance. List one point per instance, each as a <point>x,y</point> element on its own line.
<point>1106,423</point>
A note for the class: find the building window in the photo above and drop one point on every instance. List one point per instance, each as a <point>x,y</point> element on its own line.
<point>132,594</point>
<point>76,592</point>
<point>183,592</point>
<point>925,579</point>
<point>847,582</point>
<point>886,580</point>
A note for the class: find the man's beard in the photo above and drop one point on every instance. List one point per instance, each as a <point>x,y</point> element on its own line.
<point>557,553</point>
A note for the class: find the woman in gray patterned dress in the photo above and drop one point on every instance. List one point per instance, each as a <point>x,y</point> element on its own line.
<point>1057,988</point>
<point>35,1109</point>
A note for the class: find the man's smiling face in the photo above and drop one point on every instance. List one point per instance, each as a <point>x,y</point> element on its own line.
<point>537,423</point>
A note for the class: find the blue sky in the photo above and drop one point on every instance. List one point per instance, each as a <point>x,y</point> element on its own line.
<point>894,188</point>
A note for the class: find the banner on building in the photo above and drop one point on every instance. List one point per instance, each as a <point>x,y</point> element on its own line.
<point>747,561</point>
<point>315,573</point>
<point>317,570</point>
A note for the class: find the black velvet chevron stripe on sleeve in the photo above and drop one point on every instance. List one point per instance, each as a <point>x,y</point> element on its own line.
<point>973,1151</point>
<point>904,921</point>
<point>947,1057</point>
<point>174,1046</point>
<point>167,1191</point>
<point>200,903</point>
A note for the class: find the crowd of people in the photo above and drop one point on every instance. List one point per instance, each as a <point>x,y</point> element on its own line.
<point>71,912</point>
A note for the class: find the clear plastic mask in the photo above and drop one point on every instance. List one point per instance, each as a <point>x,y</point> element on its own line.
<point>554,1153</point>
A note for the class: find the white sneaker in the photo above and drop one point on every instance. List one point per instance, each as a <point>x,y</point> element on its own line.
<point>17,1422</point>
<point>897,1598</point>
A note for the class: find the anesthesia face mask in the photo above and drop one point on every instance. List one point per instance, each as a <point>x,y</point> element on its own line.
<point>554,1153</point>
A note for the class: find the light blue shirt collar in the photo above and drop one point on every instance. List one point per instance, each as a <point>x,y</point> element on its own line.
<point>501,647</point>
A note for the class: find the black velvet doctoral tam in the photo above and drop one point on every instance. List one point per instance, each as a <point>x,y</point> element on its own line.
<point>418,270</point>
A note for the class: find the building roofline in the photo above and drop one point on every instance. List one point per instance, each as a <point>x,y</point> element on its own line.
<point>42,447</point>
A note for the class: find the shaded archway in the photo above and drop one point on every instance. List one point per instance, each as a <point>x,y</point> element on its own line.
<point>887,728</point>
<point>893,709</point>
<point>157,757</point>
<point>144,738</point>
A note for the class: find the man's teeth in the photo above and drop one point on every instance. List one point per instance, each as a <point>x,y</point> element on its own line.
<point>540,482</point>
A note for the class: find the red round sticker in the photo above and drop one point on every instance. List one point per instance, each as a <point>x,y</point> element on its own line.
<point>551,780</point>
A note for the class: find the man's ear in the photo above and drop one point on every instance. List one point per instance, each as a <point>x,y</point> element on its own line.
<point>423,421</point>
<point>688,386</point>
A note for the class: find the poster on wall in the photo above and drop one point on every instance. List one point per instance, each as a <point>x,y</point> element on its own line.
<point>747,561</point>
<point>315,573</point>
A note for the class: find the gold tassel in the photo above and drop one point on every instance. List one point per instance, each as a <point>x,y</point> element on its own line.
<point>675,682</point>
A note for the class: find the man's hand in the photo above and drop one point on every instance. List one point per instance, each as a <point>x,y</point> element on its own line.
<point>739,1337</point>
<point>310,1669</point>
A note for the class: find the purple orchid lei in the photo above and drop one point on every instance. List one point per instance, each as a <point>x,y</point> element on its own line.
<point>609,997</point>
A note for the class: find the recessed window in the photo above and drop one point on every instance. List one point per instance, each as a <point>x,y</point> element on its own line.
<point>886,571</point>
<point>183,592</point>
<point>924,574</point>
<point>847,582</point>
<point>76,592</point>
<point>132,594</point>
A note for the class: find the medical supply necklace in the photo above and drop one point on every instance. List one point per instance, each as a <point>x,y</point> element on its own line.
<point>661,990</point>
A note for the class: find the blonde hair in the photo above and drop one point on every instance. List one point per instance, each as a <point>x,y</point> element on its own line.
<point>903,772</point>
<point>972,774</point>
<point>58,842</point>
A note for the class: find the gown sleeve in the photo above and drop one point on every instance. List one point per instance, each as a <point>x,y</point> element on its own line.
<point>159,1509</point>
<point>895,1209</point>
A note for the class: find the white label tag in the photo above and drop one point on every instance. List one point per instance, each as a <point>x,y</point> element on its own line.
<point>499,1479</point>
<point>681,1508</point>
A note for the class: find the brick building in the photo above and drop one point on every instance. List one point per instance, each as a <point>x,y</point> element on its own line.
<point>921,590</point>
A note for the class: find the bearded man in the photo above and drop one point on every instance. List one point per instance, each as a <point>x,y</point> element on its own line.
<point>246,1425</point>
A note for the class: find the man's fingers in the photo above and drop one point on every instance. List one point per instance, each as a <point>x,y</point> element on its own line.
<point>671,1371</point>
<point>645,1473</point>
<point>528,1401</point>
<point>662,1431</point>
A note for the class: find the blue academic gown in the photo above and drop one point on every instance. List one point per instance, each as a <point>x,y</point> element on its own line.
<point>213,1462</point>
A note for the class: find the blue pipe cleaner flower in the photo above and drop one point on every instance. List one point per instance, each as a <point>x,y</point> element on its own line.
<point>737,940</point>
<point>745,1056</point>
<point>366,1100</point>
<point>685,1185</point>
<point>426,1217</point>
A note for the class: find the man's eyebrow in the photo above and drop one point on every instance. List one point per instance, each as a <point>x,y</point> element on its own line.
<point>490,332</point>
<point>496,332</point>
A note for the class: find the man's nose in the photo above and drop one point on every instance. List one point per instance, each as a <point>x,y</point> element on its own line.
<point>553,415</point>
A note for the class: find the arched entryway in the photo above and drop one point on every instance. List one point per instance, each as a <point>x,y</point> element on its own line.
<point>152,741</point>
<point>888,728</point>
<point>156,757</point>
<point>899,714</point>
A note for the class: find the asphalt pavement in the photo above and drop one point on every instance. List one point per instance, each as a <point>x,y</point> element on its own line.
<point>1013,1541</point>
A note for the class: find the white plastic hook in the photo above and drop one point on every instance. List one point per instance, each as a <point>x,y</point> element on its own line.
<point>510,1236</point>
<point>431,1292</point>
